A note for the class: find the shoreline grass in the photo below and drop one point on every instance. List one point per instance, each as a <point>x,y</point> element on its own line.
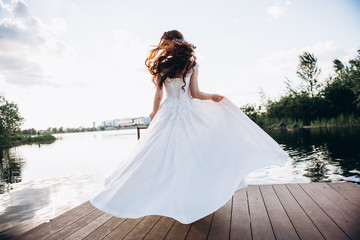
<point>18,139</point>
<point>283,123</point>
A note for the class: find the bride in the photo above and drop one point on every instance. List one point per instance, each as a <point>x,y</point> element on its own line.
<point>196,152</point>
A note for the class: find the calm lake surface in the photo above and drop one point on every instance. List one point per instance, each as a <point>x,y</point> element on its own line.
<point>39,182</point>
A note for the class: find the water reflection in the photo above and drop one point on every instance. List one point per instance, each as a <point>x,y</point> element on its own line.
<point>38,201</point>
<point>10,169</point>
<point>323,154</point>
<point>50,180</point>
<point>16,217</point>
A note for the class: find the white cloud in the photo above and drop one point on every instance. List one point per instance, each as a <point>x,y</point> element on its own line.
<point>58,25</point>
<point>235,20</point>
<point>275,10</point>
<point>4,6</point>
<point>19,8</point>
<point>32,46</point>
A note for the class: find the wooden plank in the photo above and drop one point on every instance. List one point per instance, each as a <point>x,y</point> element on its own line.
<point>65,232</point>
<point>105,229</point>
<point>260,222</point>
<point>89,228</point>
<point>32,232</point>
<point>351,186</point>
<point>45,230</point>
<point>42,227</point>
<point>160,229</point>
<point>343,220</point>
<point>347,206</point>
<point>143,227</point>
<point>178,231</point>
<point>325,224</point>
<point>280,221</point>
<point>200,229</point>
<point>220,227</point>
<point>123,229</point>
<point>308,211</point>
<point>68,213</point>
<point>349,191</point>
<point>240,221</point>
<point>302,223</point>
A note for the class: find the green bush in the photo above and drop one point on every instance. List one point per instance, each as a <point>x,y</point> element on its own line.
<point>18,139</point>
<point>336,102</point>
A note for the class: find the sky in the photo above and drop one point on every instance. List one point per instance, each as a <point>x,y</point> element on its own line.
<point>70,63</point>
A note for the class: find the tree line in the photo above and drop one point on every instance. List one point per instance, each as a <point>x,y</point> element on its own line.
<point>10,123</point>
<point>336,101</point>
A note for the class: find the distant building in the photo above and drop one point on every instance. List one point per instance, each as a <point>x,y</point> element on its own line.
<point>125,122</point>
<point>142,120</point>
<point>108,123</point>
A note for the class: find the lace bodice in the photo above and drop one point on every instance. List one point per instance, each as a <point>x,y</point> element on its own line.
<point>174,88</point>
<point>178,98</point>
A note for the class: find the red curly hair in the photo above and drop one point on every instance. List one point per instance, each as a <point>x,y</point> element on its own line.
<point>173,57</point>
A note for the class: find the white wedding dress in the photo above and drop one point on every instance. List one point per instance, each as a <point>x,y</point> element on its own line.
<point>192,158</point>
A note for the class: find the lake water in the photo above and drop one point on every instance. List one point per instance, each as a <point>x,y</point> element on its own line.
<point>39,182</point>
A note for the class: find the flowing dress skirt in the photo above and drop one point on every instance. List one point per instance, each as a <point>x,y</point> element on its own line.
<point>188,163</point>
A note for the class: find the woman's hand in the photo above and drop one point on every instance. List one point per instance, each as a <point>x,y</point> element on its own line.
<point>152,116</point>
<point>216,97</point>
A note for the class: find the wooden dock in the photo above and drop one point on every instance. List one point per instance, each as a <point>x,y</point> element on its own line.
<point>279,211</point>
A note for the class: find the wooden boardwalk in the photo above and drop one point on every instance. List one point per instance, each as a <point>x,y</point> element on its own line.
<point>279,211</point>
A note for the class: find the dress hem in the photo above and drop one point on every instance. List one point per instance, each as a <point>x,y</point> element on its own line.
<point>183,221</point>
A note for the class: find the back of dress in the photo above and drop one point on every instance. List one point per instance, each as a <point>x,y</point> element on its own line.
<point>175,87</point>
<point>178,97</point>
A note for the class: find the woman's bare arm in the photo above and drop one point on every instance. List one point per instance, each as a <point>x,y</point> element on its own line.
<point>195,91</point>
<point>157,99</point>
